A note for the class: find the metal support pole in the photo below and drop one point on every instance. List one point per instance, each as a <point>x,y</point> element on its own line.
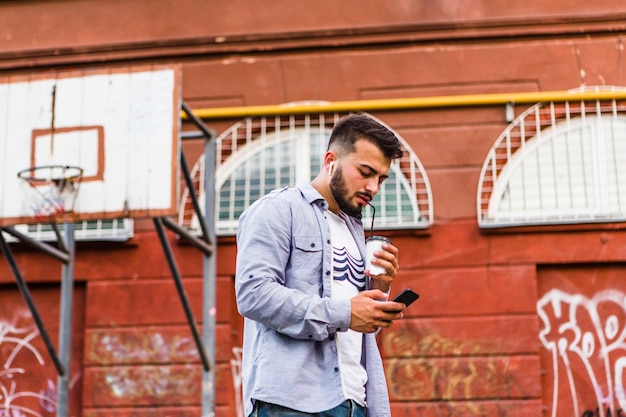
<point>58,254</point>
<point>192,195</point>
<point>200,244</point>
<point>207,224</point>
<point>8,255</point>
<point>209,311</point>
<point>210,135</point>
<point>65,327</point>
<point>158,224</point>
<point>60,241</point>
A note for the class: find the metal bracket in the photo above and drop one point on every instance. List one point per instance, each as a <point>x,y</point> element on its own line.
<point>8,255</point>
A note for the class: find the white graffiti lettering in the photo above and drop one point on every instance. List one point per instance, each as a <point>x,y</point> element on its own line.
<point>586,341</point>
<point>13,401</point>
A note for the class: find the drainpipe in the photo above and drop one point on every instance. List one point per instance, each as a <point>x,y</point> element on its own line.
<point>472,100</point>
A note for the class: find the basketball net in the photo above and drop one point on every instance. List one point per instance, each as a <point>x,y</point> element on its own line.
<point>51,190</point>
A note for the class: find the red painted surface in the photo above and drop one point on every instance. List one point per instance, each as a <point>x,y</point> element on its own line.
<point>472,344</point>
<point>583,320</point>
<point>28,377</point>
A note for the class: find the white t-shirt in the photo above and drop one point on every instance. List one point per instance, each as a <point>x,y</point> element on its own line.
<point>348,281</point>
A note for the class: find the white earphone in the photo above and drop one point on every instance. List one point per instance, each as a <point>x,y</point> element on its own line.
<point>330,168</point>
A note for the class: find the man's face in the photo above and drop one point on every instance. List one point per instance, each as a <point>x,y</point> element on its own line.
<point>358,177</point>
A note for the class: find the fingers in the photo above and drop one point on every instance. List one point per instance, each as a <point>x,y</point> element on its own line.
<point>390,254</point>
<point>387,259</point>
<point>374,294</point>
<point>370,311</point>
<point>385,320</point>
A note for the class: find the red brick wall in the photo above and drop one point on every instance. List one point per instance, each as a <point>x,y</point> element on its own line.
<point>471,345</point>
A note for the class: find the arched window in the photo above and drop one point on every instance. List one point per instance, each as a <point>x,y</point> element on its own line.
<point>557,163</point>
<point>257,155</point>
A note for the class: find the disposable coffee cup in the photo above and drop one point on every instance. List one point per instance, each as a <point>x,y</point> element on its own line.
<point>374,244</point>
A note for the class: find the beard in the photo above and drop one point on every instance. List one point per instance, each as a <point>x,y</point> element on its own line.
<point>340,194</point>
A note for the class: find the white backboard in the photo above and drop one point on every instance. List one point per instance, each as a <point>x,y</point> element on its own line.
<point>120,126</point>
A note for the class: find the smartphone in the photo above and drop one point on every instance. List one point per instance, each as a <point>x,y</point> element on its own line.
<point>406,297</point>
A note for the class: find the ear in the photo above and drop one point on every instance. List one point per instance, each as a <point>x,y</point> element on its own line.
<point>330,158</point>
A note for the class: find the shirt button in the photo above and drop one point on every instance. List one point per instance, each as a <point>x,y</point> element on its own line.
<point>328,241</point>
<point>336,369</point>
<point>327,272</point>
<point>312,245</point>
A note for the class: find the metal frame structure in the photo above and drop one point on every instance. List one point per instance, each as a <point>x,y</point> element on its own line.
<point>65,253</point>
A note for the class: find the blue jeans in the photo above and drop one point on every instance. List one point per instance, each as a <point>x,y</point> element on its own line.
<point>346,409</point>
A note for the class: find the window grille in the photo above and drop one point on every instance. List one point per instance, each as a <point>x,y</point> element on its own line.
<point>257,155</point>
<point>115,230</point>
<point>557,163</point>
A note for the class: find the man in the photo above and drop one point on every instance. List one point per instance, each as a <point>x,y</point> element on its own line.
<point>311,308</point>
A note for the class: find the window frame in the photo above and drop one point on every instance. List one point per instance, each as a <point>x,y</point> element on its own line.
<point>548,125</point>
<point>249,137</point>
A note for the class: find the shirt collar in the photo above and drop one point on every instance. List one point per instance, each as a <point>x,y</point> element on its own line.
<point>311,195</point>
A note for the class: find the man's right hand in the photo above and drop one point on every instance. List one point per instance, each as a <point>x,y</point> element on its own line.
<point>369,312</point>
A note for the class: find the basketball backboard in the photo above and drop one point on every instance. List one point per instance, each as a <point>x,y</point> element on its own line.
<point>116,132</point>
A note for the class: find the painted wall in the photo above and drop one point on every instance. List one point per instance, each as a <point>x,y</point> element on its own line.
<point>509,323</point>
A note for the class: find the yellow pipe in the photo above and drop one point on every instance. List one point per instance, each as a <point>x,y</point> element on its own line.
<point>407,103</point>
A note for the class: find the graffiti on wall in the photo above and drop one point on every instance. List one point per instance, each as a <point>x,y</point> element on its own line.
<point>17,399</point>
<point>457,369</point>
<point>235,366</point>
<point>585,341</point>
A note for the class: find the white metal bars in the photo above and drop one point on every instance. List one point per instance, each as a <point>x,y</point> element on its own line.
<point>557,163</point>
<point>257,155</point>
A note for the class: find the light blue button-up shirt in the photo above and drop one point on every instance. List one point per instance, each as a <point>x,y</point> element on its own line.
<point>282,285</point>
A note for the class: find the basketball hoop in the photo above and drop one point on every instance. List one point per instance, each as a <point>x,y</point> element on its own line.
<point>52,189</point>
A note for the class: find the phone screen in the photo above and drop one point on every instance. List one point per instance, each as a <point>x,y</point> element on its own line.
<point>406,297</point>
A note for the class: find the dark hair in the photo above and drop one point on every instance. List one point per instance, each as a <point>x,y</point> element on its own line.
<point>354,127</point>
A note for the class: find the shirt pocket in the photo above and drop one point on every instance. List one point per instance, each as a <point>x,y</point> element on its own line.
<point>307,261</point>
